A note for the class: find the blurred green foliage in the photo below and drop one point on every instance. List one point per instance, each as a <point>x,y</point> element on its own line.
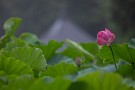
<point>39,66</point>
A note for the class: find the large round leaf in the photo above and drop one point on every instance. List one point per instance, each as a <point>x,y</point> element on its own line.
<point>13,66</point>
<point>32,56</point>
<point>103,81</point>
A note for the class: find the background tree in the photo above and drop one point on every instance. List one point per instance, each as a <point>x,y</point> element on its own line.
<point>121,18</point>
<point>91,15</point>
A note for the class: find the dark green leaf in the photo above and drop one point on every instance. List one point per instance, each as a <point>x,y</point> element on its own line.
<point>105,52</point>
<point>120,51</point>
<point>3,40</point>
<point>79,85</point>
<point>132,53</point>
<point>125,70</point>
<point>123,52</point>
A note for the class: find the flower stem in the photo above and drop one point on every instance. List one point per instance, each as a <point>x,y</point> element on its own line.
<point>113,58</point>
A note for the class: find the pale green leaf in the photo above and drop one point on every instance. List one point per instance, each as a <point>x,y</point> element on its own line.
<point>15,42</point>
<point>60,69</point>
<point>22,82</point>
<point>29,38</point>
<point>78,47</point>
<point>11,25</point>
<point>50,49</point>
<point>56,84</point>
<point>60,58</point>
<point>75,50</point>
<point>103,81</point>
<point>13,66</point>
<point>90,47</point>
<point>32,56</point>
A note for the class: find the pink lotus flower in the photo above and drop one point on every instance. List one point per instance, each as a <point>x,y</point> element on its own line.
<point>105,37</point>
